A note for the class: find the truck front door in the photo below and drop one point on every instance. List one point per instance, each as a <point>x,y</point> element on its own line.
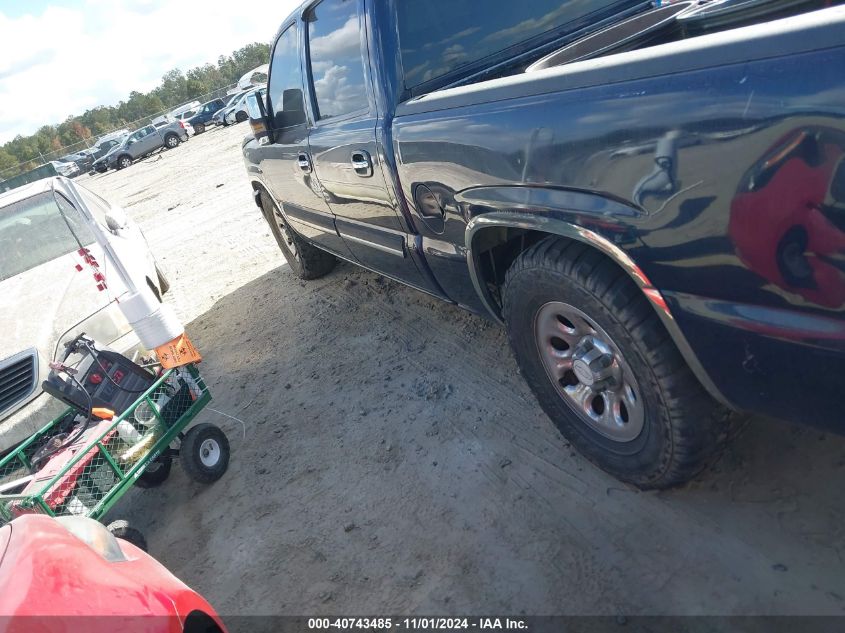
<point>343,142</point>
<point>286,162</point>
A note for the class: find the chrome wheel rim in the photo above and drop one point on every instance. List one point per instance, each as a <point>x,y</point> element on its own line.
<point>589,371</point>
<point>209,453</point>
<point>285,234</point>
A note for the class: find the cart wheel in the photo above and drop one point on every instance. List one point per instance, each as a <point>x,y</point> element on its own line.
<point>205,453</point>
<point>156,473</point>
<point>122,529</point>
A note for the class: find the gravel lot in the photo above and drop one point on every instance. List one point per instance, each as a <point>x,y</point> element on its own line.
<point>393,461</point>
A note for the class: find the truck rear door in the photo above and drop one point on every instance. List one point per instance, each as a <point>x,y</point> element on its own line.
<point>343,144</point>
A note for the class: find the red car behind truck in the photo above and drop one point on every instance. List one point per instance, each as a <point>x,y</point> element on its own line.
<point>71,574</point>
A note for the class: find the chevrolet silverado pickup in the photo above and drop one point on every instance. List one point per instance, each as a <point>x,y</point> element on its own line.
<point>650,199</point>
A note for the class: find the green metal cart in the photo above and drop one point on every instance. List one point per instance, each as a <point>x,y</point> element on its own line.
<point>87,475</point>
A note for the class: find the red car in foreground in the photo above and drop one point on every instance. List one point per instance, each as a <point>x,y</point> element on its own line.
<point>70,574</point>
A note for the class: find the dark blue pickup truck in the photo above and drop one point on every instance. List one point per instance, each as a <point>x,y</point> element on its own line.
<point>651,200</point>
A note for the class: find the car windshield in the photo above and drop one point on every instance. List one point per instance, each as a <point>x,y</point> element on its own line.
<point>34,231</point>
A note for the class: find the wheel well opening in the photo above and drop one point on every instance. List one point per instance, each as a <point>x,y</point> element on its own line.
<point>495,249</point>
<point>199,622</point>
<point>257,190</point>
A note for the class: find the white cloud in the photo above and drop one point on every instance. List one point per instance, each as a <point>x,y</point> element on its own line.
<point>336,95</point>
<point>64,61</point>
<point>342,42</point>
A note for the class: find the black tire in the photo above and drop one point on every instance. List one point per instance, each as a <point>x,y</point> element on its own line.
<point>204,453</point>
<point>199,128</point>
<point>682,427</point>
<point>305,260</point>
<point>122,529</point>
<point>171,141</point>
<point>241,116</point>
<point>124,161</point>
<point>156,472</point>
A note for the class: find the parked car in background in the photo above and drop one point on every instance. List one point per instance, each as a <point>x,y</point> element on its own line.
<point>189,129</point>
<point>66,169</point>
<point>41,264</point>
<point>188,109</point>
<point>660,230</point>
<point>103,144</point>
<point>204,115</point>
<point>71,574</point>
<point>142,142</point>
<point>83,160</point>
<point>102,147</point>
<point>238,111</point>
<point>218,118</point>
<point>80,159</point>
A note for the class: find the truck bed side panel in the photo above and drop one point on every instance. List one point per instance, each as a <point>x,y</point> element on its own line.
<point>733,186</point>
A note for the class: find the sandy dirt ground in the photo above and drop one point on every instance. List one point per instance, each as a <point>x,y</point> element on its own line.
<point>393,461</point>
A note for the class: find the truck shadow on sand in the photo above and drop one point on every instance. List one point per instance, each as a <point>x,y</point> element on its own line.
<point>393,460</point>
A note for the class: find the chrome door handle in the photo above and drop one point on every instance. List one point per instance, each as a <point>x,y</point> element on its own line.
<point>304,163</point>
<point>362,163</point>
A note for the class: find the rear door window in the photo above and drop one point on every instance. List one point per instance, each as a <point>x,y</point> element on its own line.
<point>439,36</point>
<point>34,231</point>
<point>337,66</point>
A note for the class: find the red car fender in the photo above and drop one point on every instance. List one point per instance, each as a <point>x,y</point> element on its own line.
<point>52,582</point>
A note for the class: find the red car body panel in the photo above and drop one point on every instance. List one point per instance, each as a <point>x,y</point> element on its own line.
<point>52,582</point>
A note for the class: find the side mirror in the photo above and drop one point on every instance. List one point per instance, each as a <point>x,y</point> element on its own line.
<point>257,111</point>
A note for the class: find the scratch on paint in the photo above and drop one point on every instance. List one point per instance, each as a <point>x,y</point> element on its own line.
<point>747,104</point>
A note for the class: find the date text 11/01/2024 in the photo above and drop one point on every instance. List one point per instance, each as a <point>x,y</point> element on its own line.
<point>418,624</point>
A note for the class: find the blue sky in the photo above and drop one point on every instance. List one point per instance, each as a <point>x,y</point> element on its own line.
<point>17,8</point>
<point>58,59</point>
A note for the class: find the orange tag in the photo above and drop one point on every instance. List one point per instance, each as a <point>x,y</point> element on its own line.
<point>180,351</point>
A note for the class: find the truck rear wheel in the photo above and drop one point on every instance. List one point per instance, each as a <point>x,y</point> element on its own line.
<point>305,260</point>
<point>171,141</point>
<point>604,368</point>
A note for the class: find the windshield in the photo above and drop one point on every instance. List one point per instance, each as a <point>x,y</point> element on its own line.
<point>33,231</point>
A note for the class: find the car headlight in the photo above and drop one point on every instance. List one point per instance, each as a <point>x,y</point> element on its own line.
<point>95,535</point>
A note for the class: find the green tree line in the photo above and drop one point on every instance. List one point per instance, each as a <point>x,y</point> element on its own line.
<point>24,152</point>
